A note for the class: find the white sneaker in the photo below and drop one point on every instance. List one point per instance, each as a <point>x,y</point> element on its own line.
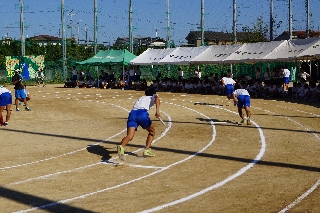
<point>244,121</point>
<point>248,121</point>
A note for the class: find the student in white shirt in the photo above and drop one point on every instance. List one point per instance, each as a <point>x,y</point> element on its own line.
<point>242,99</point>
<point>5,102</point>
<point>139,116</point>
<point>228,83</point>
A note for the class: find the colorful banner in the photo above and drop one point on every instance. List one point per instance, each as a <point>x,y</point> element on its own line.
<point>28,65</point>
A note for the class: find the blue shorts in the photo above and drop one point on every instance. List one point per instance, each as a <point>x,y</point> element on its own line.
<point>74,77</point>
<point>243,101</point>
<point>229,89</point>
<point>286,80</point>
<point>5,99</point>
<point>139,117</point>
<point>20,94</point>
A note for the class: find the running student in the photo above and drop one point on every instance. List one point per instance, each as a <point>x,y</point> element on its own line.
<point>242,98</point>
<point>5,102</point>
<point>139,116</point>
<point>228,84</point>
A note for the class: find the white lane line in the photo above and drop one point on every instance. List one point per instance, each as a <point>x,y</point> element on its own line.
<point>62,155</point>
<point>301,197</point>
<point>95,164</point>
<point>65,154</point>
<point>230,178</point>
<point>134,180</point>
<point>309,191</point>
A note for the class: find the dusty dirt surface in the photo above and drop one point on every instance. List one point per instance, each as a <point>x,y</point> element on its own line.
<point>61,156</point>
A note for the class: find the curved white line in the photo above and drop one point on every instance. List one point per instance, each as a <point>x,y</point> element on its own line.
<point>65,154</point>
<point>237,174</point>
<point>309,191</point>
<point>134,180</point>
<point>288,207</point>
<point>87,166</point>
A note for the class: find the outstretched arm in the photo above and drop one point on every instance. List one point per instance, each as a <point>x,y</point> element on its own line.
<point>157,106</point>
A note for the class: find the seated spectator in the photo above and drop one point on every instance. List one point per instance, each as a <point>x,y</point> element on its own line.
<point>69,83</point>
<point>81,82</point>
<point>315,94</point>
<point>89,82</point>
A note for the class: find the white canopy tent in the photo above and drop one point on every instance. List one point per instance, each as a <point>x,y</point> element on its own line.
<point>252,52</point>
<point>182,55</point>
<point>286,50</point>
<point>312,52</point>
<point>151,56</point>
<point>215,54</point>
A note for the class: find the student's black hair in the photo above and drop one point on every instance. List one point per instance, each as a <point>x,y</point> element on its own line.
<point>149,91</point>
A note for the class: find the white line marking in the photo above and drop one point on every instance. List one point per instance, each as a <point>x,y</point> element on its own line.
<point>237,174</point>
<point>65,154</point>
<point>134,180</point>
<point>309,191</point>
<point>301,197</point>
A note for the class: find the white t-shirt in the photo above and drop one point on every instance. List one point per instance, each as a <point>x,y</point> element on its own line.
<point>145,102</point>
<point>286,73</point>
<point>304,75</point>
<point>227,81</point>
<point>4,90</point>
<point>238,92</point>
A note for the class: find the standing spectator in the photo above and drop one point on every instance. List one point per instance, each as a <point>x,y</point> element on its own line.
<point>138,73</point>
<point>131,75</point>
<point>88,75</point>
<point>303,76</point>
<point>74,74</point>
<point>180,74</point>
<point>19,91</point>
<point>267,76</point>
<point>41,79</point>
<point>286,75</point>
<point>196,75</point>
<point>5,102</point>
<point>258,74</point>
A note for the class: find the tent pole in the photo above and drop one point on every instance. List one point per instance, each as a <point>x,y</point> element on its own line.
<point>98,76</point>
<point>122,72</point>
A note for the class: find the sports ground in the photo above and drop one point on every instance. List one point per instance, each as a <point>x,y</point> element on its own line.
<point>61,156</point>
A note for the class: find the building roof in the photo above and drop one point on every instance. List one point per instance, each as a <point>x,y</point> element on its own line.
<point>219,36</point>
<point>298,34</point>
<point>45,38</point>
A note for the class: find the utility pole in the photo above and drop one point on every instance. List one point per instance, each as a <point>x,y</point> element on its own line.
<point>234,21</point>
<point>271,20</point>
<point>168,24</point>
<point>86,29</point>
<point>64,48</point>
<point>290,19</point>
<point>71,14</point>
<point>95,27</point>
<point>202,22</point>
<point>23,47</point>
<point>130,27</point>
<point>308,19</point>
<point>79,31</point>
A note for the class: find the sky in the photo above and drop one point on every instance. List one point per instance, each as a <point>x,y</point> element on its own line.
<point>149,17</point>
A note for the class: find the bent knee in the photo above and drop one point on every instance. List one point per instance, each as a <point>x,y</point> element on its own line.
<point>152,131</point>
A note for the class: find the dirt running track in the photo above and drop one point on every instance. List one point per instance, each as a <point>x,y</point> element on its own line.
<point>61,156</point>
